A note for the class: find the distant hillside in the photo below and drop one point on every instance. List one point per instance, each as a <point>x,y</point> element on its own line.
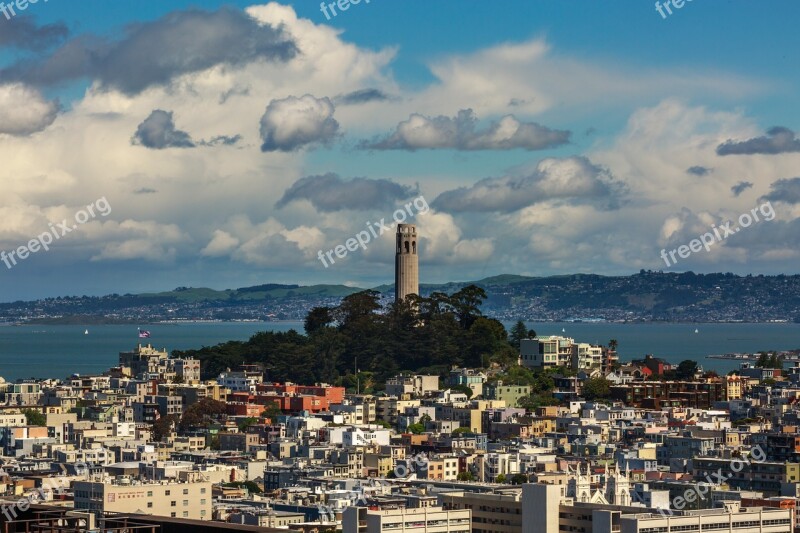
<point>646,296</point>
<point>259,292</point>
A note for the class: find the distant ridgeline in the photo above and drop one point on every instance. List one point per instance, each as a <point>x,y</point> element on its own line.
<point>646,296</point>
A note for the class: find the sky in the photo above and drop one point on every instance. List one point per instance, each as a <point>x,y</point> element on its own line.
<point>150,145</point>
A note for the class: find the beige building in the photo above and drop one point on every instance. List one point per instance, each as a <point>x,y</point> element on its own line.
<point>730,519</point>
<point>417,385</point>
<point>421,520</point>
<point>546,352</point>
<point>491,513</point>
<point>586,357</point>
<point>440,469</point>
<point>550,509</point>
<point>734,387</point>
<point>175,499</point>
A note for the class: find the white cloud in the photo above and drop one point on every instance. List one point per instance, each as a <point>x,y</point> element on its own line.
<point>23,110</point>
<point>293,123</point>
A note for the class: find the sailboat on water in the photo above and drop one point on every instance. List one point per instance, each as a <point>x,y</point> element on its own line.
<point>86,332</point>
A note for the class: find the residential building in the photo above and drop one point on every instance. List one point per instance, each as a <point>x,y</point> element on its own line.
<point>125,495</point>
<point>420,520</point>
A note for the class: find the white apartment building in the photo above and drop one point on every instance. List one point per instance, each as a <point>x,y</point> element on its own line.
<point>365,437</point>
<point>13,420</point>
<point>240,381</point>
<point>421,520</point>
<point>493,464</point>
<point>351,413</point>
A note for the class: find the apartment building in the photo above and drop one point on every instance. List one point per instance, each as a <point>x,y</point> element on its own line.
<point>191,499</point>
<point>734,387</point>
<point>510,394</point>
<point>440,469</point>
<point>659,394</point>
<point>586,356</point>
<point>729,519</point>
<point>23,393</point>
<point>491,513</point>
<point>243,381</point>
<point>546,352</point>
<point>417,385</point>
<point>419,520</point>
<point>764,476</point>
<point>474,379</point>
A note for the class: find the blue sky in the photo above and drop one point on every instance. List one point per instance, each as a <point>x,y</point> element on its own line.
<point>194,144</point>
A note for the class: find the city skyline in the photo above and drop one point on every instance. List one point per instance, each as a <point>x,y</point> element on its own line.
<point>545,140</point>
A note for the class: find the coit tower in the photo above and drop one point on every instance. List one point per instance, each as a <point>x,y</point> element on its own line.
<point>406,262</point>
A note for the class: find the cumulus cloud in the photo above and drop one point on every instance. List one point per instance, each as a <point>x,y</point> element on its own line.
<point>158,131</point>
<point>442,242</point>
<point>779,140</point>
<point>573,178</point>
<point>24,34</point>
<point>740,187</point>
<point>222,243</point>
<point>460,133</point>
<point>154,53</point>
<point>23,110</point>
<point>698,171</point>
<point>269,243</point>
<point>785,190</point>
<point>293,123</point>
<point>362,96</point>
<point>133,239</point>
<point>329,192</point>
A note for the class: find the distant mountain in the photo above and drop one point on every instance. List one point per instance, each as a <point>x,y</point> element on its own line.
<point>646,296</point>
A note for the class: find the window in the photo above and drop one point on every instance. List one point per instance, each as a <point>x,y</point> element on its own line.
<point>185,503</point>
<point>149,493</point>
<point>186,491</point>
<point>203,491</point>
<point>166,493</point>
<point>203,512</point>
<point>173,503</point>
<point>203,501</point>
<point>185,514</point>
<point>173,514</point>
<point>149,505</point>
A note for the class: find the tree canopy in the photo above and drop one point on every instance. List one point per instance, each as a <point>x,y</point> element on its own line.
<point>438,331</point>
<point>598,388</point>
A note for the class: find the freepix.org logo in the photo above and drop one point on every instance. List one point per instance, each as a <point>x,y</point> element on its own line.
<point>55,232</point>
<point>364,237</point>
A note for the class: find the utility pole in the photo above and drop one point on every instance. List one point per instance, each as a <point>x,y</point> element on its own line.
<point>358,380</point>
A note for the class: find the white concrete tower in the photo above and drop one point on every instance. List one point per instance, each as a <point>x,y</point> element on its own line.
<point>406,262</point>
